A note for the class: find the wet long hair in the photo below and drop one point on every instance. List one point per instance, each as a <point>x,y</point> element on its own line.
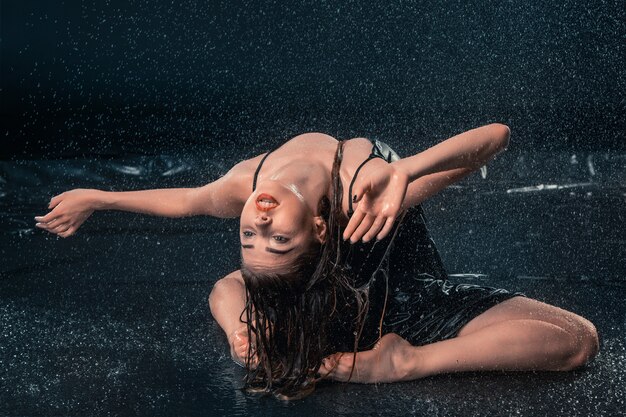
<point>288,312</point>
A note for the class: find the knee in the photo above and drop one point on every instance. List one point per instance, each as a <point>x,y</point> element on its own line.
<point>586,342</point>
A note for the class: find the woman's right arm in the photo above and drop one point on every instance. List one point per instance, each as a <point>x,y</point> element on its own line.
<point>228,302</point>
<point>223,198</point>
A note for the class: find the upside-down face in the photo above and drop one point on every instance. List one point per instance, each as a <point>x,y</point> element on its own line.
<point>276,226</point>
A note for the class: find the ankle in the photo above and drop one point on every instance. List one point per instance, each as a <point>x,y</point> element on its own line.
<point>411,365</point>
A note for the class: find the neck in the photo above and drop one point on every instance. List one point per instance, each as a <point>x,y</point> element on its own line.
<point>308,178</point>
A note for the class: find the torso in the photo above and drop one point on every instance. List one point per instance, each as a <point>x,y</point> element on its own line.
<point>321,148</point>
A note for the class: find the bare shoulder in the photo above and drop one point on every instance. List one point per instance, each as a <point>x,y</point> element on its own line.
<point>245,167</point>
<point>232,280</point>
<point>239,177</point>
<point>312,135</point>
<point>235,275</point>
<point>226,196</point>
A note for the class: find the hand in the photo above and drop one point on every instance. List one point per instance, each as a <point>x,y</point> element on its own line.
<point>69,210</point>
<point>239,347</point>
<point>380,195</point>
<point>392,359</point>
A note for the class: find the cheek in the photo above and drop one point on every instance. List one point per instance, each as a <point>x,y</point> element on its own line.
<point>247,212</point>
<point>304,222</point>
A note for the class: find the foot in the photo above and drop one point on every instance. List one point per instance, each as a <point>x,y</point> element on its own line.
<point>392,359</point>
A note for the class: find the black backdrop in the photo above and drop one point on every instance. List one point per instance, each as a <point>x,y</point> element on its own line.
<point>145,77</point>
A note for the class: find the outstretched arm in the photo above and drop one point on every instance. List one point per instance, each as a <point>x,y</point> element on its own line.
<point>452,160</point>
<point>222,198</point>
<point>468,150</point>
<point>389,188</point>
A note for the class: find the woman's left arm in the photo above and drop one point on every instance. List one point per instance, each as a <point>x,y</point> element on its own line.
<point>469,151</point>
<point>405,183</point>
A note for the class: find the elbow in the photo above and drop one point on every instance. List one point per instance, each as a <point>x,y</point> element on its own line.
<point>224,290</point>
<point>217,293</point>
<point>501,136</point>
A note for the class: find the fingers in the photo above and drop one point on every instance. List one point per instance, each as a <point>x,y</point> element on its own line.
<point>48,217</point>
<point>388,225</point>
<point>241,345</point>
<point>375,228</point>
<point>327,367</point>
<point>241,348</point>
<point>368,227</point>
<point>365,225</point>
<point>354,222</point>
<point>63,231</point>
<point>60,227</point>
<point>359,190</point>
<point>56,221</point>
<point>48,225</point>
<point>52,224</point>
<point>54,213</point>
<point>54,201</point>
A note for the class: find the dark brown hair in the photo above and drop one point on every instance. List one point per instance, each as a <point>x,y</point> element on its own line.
<point>288,312</point>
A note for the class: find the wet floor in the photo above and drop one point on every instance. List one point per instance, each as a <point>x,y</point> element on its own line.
<point>114,320</point>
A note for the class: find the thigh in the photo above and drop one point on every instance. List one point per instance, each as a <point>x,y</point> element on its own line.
<point>523,308</point>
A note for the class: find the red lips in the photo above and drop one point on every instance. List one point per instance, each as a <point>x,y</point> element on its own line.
<point>265,202</point>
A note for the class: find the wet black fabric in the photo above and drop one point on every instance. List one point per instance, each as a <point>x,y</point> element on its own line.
<point>408,288</point>
<point>406,283</point>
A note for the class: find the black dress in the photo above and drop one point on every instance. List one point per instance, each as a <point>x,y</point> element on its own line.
<point>407,285</point>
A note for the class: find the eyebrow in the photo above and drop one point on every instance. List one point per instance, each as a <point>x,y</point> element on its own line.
<point>270,250</point>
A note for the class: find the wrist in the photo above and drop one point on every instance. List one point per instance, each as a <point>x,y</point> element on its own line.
<point>100,200</point>
<point>404,167</point>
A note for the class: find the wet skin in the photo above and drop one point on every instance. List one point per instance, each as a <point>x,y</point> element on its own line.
<point>276,226</point>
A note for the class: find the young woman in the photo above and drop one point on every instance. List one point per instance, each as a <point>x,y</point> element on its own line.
<point>303,294</point>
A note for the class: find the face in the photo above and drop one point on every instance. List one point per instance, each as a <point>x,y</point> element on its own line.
<point>276,226</point>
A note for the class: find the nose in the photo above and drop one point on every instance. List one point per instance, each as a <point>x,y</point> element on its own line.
<point>262,219</point>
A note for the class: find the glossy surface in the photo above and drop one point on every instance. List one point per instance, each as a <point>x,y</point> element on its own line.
<point>115,319</point>
<point>123,95</point>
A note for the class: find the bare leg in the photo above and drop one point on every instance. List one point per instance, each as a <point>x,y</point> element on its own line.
<point>518,334</point>
<point>515,345</point>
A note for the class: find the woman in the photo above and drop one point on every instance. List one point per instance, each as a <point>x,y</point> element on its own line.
<point>297,289</point>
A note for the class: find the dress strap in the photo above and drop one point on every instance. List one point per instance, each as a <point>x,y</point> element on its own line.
<point>350,209</point>
<point>258,169</point>
<point>376,153</point>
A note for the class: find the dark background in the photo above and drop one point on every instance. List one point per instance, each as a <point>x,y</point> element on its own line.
<point>87,78</point>
<point>122,95</point>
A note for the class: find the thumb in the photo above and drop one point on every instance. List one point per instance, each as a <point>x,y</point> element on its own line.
<point>359,190</point>
<point>54,201</point>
